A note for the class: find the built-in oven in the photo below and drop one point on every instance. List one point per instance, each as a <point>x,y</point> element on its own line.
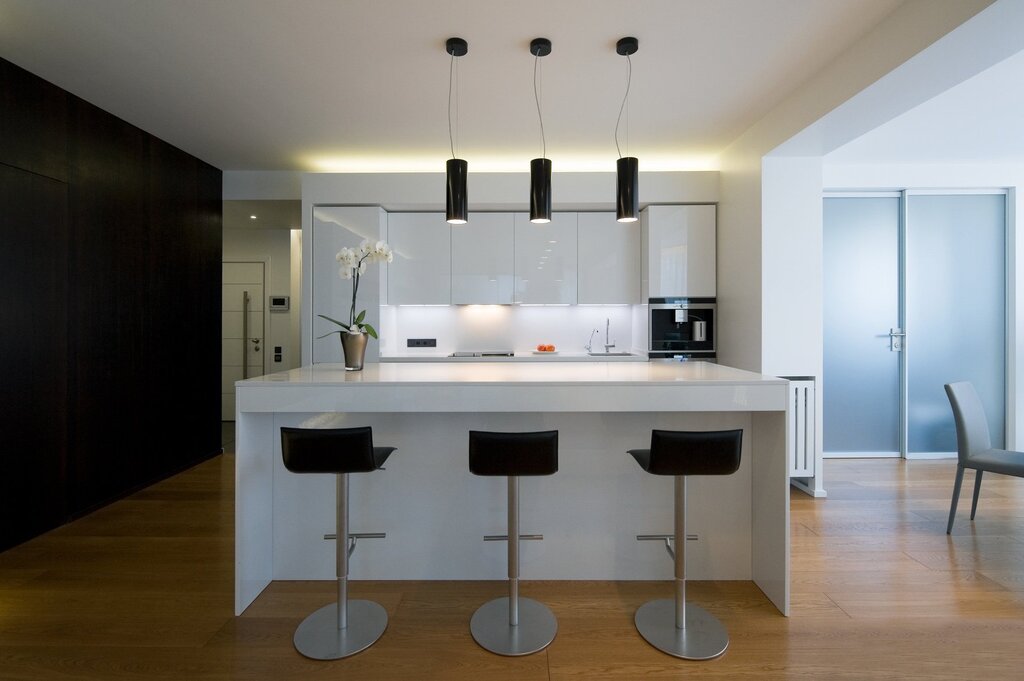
<point>682,329</point>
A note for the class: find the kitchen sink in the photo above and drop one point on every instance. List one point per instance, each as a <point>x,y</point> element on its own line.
<point>610,354</point>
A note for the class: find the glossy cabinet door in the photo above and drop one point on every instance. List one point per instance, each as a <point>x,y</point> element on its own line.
<point>546,260</point>
<point>421,273</point>
<point>679,251</point>
<point>483,260</point>
<point>609,259</point>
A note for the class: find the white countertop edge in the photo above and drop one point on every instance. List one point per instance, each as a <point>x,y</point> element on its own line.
<point>508,374</point>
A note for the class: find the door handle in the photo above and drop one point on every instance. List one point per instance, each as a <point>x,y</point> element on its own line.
<point>245,333</point>
<point>896,337</point>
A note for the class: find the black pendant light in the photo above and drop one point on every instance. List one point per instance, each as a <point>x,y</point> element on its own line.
<point>627,175</point>
<point>457,203</point>
<point>540,168</point>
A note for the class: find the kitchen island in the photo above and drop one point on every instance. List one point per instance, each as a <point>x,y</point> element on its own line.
<point>435,512</point>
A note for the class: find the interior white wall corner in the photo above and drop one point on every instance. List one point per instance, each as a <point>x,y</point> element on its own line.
<point>243,185</point>
<point>791,266</point>
<point>739,259</point>
<point>907,31</point>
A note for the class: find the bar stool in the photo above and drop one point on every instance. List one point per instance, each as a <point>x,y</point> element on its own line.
<point>512,625</point>
<point>345,627</point>
<point>672,626</point>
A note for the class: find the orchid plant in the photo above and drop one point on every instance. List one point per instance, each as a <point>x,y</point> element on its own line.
<point>352,263</point>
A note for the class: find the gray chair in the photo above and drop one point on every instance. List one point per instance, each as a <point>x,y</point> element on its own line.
<point>974,447</point>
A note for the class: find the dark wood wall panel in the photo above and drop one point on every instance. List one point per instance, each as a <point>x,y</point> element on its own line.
<point>33,354</point>
<point>33,112</point>
<point>138,255</point>
<point>146,328</point>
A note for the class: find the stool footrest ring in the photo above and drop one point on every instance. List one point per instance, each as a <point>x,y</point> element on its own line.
<point>353,536</point>
<point>669,539</point>
<point>504,537</point>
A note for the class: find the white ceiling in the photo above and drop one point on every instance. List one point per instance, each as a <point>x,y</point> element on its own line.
<point>361,85</point>
<point>979,120</point>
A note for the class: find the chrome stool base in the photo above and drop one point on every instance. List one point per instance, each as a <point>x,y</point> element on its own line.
<point>319,638</point>
<point>703,638</point>
<point>536,629</point>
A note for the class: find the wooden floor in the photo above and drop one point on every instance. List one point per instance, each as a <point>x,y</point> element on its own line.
<point>143,590</point>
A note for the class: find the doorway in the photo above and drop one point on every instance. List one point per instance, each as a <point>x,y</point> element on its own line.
<point>915,297</point>
<point>242,329</point>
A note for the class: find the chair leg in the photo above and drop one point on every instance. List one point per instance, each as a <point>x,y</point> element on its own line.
<point>956,497</point>
<point>977,490</point>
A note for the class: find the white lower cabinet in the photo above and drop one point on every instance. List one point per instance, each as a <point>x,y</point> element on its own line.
<point>545,260</point>
<point>609,260</point>
<point>483,260</point>
<point>421,273</point>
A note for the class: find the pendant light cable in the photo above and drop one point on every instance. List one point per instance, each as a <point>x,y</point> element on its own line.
<point>536,98</point>
<point>629,79</point>
<point>451,77</point>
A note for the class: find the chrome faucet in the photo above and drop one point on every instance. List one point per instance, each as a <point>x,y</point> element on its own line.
<point>607,346</point>
<point>590,342</point>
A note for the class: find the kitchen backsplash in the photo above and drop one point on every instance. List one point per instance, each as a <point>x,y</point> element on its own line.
<point>519,328</point>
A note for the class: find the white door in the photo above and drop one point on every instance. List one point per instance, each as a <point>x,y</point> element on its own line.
<point>242,329</point>
<point>914,289</point>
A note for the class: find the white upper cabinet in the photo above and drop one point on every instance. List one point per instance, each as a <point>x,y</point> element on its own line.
<point>679,251</point>
<point>545,261</point>
<point>421,273</point>
<point>483,261</point>
<point>609,259</point>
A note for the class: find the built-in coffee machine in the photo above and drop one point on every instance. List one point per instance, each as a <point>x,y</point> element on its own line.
<point>682,329</point>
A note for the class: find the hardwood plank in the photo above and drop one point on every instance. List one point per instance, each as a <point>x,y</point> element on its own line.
<point>143,590</point>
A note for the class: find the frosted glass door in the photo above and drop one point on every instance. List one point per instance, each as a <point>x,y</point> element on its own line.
<point>955,316</point>
<point>861,292</point>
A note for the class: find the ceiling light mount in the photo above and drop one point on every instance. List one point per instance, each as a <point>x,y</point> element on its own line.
<point>540,47</point>
<point>627,46</point>
<point>457,47</point>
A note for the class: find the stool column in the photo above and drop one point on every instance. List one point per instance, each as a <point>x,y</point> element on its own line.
<point>513,550</point>
<point>680,541</point>
<point>511,625</point>
<point>341,548</point>
<point>669,624</point>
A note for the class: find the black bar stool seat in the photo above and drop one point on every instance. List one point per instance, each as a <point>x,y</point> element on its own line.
<point>512,625</point>
<point>345,627</point>
<point>672,626</point>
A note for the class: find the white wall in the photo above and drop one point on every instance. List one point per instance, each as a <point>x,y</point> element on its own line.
<point>808,123</point>
<point>240,185</point>
<point>770,217</point>
<point>272,246</point>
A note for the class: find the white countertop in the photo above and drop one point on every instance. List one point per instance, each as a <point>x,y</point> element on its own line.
<point>507,373</point>
<point>514,387</point>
